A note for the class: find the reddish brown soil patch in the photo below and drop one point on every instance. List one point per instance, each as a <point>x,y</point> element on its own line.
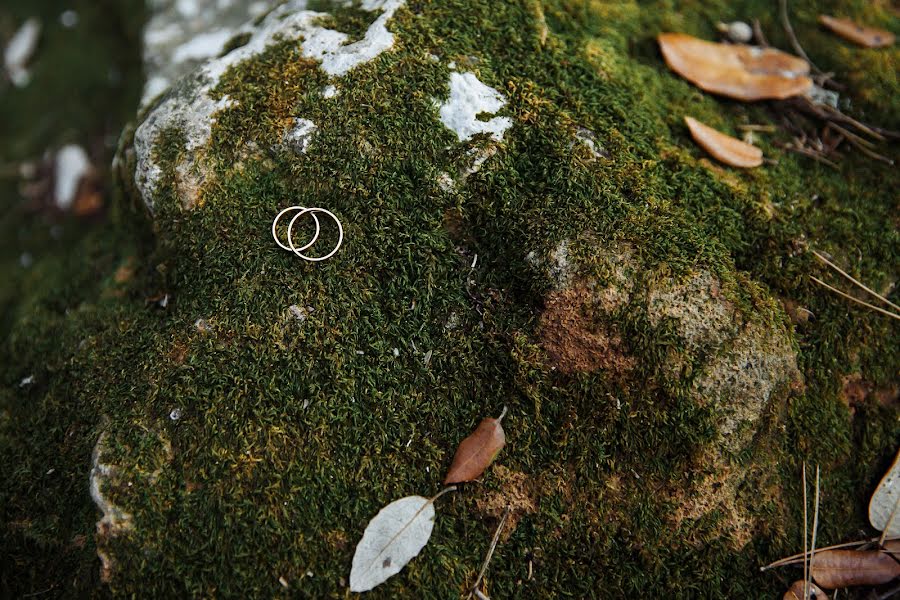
<point>855,390</point>
<point>517,491</point>
<point>573,338</point>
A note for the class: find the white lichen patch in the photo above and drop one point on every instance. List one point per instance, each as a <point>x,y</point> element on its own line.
<point>115,520</point>
<point>329,91</point>
<point>299,137</point>
<point>191,113</point>
<point>19,51</point>
<point>337,56</point>
<point>204,45</point>
<point>561,267</point>
<point>468,99</point>
<point>190,109</point>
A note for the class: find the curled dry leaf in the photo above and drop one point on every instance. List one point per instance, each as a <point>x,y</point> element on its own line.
<point>477,452</point>
<point>731,151</point>
<point>868,37</point>
<point>392,538</point>
<point>735,70</point>
<point>884,507</point>
<point>795,592</point>
<point>844,568</point>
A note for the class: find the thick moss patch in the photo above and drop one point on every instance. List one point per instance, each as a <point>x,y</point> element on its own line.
<point>292,433</point>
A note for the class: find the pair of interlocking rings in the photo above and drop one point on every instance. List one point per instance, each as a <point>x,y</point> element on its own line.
<point>291,246</point>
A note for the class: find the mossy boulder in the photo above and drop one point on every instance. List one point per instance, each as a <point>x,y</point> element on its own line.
<point>528,225</point>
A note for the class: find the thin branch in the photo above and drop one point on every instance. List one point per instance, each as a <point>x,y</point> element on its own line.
<point>759,35</point>
<point>789,30</point>
<point>855,281</point>
<point>805,538</point>
<point>810,153</point>
<point>857,300</point>
<point>812,551</point>
<point>487,559</point>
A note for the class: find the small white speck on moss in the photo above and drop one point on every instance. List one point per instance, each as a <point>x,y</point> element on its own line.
<point>175,415</point>
<point>330,91</point>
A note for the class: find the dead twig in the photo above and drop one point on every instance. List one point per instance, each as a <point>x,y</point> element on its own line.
<point>487,559</point>
<point>759,35</point>
<point>792,37</point>
<point>807,152</point>
<point>805,539</point>
<point>812,551</point>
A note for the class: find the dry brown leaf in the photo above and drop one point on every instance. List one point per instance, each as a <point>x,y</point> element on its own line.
<point>724,148</point>
<point>735,70</point>
<point>477,452</point>
<point>795,592</point>
<point>844,568</point>
<point>868,37</point>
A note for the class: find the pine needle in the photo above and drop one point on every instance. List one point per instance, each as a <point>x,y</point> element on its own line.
<point>812,551</point>
<point>855,281</point>
<point>805,538</point>
<point>857,300</point>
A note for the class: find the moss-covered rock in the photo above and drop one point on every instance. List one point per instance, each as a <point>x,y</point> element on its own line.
<point>527,224</point>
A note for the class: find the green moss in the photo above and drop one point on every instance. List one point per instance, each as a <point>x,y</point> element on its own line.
<point>294,433</point>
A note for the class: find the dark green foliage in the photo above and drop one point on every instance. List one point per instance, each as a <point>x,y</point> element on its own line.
<point>293,434</point>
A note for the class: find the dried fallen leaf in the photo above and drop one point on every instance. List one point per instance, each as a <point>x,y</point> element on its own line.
<point>724,148</point>
<point>477,452</point>
<point>884,507</point>
<point>392,538</point>
<point>843,568</point>
<point>868,37</point>
<point>735,70</point>
<point>795,592</point>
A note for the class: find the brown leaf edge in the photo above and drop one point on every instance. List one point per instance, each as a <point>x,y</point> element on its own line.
<point>795,592</point>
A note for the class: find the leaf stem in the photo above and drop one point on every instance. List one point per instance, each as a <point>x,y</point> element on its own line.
<point>854,280</point>
<point>451,488</point>
<point>502,414</point>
